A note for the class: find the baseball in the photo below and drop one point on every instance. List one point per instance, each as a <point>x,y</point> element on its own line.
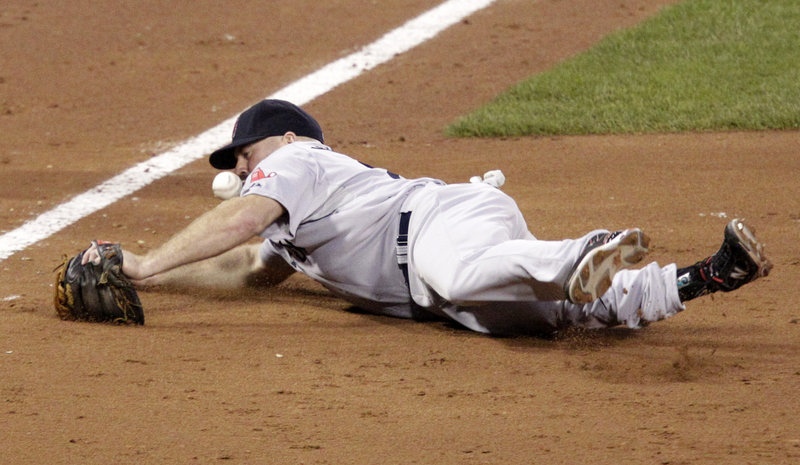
<point>226,185</point>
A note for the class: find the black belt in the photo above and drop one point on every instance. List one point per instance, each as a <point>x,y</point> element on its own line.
<point>417,313</point>
<point>402,244</point>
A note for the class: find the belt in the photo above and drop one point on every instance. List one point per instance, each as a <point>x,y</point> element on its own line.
<point>402,244</point>
<point>417,313</point>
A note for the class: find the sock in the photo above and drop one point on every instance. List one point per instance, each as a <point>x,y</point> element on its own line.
<point>691,283</point>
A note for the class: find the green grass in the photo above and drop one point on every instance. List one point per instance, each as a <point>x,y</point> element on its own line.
<point>701,65</point>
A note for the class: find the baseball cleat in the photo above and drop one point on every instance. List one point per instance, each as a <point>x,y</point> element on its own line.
<point>601,258</point>
<point>739,260</point>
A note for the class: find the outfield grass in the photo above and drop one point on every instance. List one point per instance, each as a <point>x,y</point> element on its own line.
<point>700,65</point>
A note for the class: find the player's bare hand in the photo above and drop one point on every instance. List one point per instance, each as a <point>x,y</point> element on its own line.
<point>131,263</point>
<point>91,254</point>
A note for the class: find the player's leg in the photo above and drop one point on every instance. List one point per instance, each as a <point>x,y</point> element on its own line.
<point>471,244</point>
<point>635,298</point>
<point>652,294</point>
<point>738,261</point>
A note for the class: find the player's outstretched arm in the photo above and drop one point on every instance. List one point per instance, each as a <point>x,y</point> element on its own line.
<point>232,223</point>
<point>236,268</point>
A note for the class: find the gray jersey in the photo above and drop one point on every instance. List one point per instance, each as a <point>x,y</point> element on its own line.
<point>341,224</point>
<point>470,256</point>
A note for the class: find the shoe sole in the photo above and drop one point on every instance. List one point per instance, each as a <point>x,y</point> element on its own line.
<point>738,232</point>
<point>592,277</point>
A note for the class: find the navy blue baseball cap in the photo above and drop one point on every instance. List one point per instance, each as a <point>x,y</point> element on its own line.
<point>267,118</point>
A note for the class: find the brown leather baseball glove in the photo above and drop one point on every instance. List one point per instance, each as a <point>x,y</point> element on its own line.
<point>97,292</point>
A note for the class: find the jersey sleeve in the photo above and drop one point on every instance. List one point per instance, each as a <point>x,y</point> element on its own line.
<point>291,177</point>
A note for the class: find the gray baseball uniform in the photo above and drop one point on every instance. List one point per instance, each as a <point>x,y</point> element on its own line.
<point>470,256</point>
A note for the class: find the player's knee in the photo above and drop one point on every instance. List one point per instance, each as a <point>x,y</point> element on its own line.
<point>455,289</point>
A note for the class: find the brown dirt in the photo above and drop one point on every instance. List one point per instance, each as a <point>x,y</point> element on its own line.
<point>88,88</point>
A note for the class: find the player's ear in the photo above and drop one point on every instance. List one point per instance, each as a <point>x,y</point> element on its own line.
<point>289,137</point>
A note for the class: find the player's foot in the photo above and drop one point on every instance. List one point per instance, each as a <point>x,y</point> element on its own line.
<point>738,261</point>
<point>601,258</point>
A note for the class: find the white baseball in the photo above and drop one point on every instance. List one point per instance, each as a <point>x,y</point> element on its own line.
<point>226,185</point>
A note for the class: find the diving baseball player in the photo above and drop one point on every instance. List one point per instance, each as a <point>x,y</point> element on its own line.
<point>419,248</point>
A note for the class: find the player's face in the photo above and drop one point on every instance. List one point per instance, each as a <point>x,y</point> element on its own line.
<point>249,156</point>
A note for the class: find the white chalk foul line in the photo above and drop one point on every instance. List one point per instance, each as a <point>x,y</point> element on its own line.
<point>402,39</point>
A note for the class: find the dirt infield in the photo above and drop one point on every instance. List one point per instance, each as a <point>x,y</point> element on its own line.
<point>90,88</point>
